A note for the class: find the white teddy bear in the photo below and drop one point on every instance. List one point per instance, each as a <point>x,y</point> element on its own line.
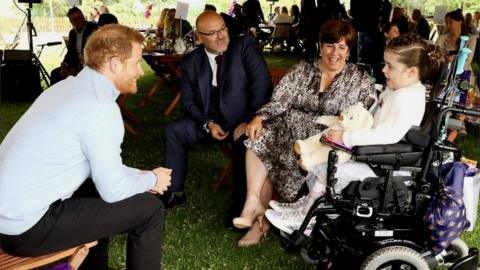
<point>312,152</point>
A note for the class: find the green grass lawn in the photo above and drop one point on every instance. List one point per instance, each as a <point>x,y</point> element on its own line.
<point>195,236</point>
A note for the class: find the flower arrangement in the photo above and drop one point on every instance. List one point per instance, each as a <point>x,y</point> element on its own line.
<point>148,9</point>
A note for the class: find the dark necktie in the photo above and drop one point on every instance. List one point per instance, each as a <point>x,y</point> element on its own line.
<point>218,59</point>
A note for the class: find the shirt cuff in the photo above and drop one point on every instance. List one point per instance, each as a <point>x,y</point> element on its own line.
<point>205,126</point>
<point>151,178</point>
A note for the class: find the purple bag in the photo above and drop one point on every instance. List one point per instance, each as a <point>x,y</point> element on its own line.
<point>445,217</point>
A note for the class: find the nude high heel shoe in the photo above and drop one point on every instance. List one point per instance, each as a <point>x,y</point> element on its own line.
<point>254,235</point>
<point>248,221</point>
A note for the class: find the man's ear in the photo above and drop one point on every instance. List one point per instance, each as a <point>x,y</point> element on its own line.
<point>114,64</point>
<point>198,38</point>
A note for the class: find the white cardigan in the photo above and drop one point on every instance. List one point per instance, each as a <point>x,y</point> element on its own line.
<point>398,111</point>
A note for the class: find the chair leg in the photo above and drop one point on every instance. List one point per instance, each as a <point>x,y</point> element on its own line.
<point>78,257</point>
<point>224,177</point>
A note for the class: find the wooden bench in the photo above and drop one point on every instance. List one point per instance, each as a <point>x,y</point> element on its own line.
<point>77,255</point>
<point>276,74</point>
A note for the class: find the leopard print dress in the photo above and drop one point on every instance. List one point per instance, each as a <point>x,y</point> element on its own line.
<point>290,115</point>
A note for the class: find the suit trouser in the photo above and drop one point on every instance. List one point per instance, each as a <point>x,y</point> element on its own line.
<point>182,133</point>
<point>84,218</point>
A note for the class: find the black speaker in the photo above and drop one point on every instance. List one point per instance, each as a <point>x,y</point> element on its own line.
<point>19,81</point>
<point>30,1</point>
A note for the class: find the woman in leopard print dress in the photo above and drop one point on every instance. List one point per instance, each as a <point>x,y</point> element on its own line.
<point>311,88</point>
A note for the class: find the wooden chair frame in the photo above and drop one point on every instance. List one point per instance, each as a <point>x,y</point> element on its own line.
<point>77,255</point>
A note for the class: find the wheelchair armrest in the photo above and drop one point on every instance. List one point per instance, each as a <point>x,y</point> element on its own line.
<point>415,139</point>
<point>382,149</point>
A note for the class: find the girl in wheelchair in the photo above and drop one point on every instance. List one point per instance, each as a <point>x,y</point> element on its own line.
<point>402,105</point>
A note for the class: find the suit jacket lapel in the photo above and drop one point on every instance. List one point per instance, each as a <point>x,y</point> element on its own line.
<point>204,79</point>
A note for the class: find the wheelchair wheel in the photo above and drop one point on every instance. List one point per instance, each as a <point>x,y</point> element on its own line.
<point>395,257</point>
<point>460,247</point>
<point>460,250</point>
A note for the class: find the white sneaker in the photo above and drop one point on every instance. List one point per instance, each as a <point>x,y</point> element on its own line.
<point>289,221</point>
<point>285,207</point>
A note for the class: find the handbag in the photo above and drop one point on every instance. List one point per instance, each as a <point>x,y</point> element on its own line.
<point>445,216</point>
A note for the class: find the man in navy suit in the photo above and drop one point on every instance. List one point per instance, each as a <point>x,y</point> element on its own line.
<point>223,83</point>
<point>77,38</point>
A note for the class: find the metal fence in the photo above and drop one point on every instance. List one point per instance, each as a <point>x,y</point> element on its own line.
<point>62,24</point>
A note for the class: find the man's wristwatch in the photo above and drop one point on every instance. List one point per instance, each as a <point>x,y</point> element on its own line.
<point>205,126</point>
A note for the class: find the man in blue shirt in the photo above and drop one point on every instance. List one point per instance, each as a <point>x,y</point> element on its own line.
<point>72,132</point>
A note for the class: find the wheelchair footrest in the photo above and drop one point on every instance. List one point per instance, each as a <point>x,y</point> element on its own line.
<point>299,239</point>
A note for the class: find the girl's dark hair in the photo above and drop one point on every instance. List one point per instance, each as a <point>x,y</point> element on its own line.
<point>457,15</point>
<point>334,30</point>
<point>413,51</point>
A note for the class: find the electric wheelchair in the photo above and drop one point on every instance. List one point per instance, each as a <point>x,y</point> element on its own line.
<point>377,223</point>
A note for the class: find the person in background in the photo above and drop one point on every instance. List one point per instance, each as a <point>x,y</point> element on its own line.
<point>420,24</point>
<point>400,20</point>
<point>94,14</point>
<point>324,86</point>
<point>283,17</point>
<point>77,38</point>
<point>253,15</point>
<point>309,26</point>
<point>271,17</point>
<point>209,7</point>
<point>62,179</point>
<point>449,42</point>
<point>224,81</point>
<point>390,32</point>
<point>172,26</point>
<point>294,30</point>
<point>104,9</point>
<point>161,23</point>
<point>470,24</point>
<point>106,18</point>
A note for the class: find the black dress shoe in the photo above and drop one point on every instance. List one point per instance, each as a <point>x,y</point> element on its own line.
<point>172,199</point>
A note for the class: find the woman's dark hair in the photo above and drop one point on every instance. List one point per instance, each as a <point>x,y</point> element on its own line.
<point>457,15</point>
<point>413,51</point>
<point>106,18</point>
<point>334,30</point>
<point>388,26</point>
<point>295,13</point>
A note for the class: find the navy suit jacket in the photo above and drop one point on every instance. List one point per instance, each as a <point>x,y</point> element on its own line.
<point>71,58</point>
<point>244,83</point>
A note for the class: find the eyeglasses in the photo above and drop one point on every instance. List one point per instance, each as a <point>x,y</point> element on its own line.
<point>214,32</point>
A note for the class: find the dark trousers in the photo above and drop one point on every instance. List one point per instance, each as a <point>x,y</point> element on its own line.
<point>182,133</point>
<point>55,76</point>
<point>86,217</point>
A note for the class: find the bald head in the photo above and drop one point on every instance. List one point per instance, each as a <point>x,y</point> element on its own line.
<point>205,17</point>
<point>212,32</point>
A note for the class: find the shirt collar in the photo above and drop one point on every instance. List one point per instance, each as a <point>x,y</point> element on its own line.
<point>99,81</point>
<point>211,56</point>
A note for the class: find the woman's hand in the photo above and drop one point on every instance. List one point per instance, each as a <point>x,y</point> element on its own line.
<point>239,131</point>
<point>254,128</point>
